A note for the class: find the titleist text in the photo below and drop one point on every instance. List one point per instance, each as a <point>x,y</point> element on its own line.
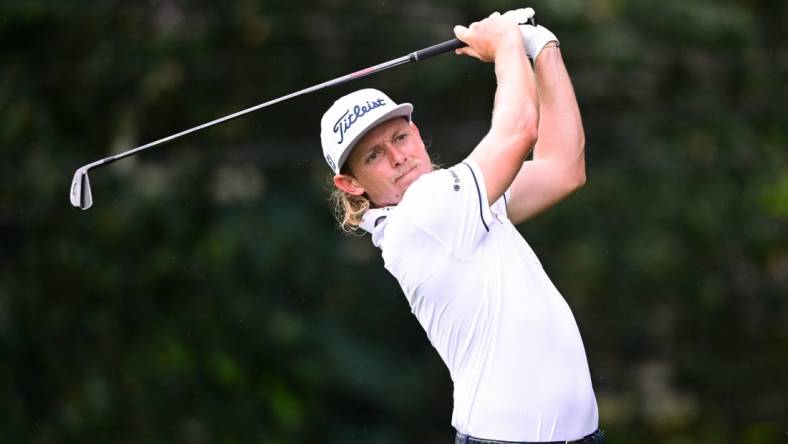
<point>347,120</point>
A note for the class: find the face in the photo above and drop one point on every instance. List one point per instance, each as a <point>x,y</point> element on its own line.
<point>385,162</point>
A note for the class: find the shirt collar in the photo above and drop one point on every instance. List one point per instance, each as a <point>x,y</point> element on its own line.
<point>374,222</point>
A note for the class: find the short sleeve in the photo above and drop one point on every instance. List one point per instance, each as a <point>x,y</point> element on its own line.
<point>451,206</point>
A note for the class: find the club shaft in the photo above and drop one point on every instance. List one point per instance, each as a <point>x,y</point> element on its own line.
<point>412,57</point>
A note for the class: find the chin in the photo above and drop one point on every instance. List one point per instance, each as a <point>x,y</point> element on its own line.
<point>406,182</point>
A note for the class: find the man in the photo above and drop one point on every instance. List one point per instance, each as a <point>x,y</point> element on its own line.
<point>507,336</point>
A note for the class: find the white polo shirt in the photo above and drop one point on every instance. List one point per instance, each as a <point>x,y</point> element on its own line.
<point>506,334</point>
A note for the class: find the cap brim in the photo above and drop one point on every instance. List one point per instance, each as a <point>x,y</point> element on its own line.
<point>402,110</point>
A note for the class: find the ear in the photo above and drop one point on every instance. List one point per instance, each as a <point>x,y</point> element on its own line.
<point>348,184</point>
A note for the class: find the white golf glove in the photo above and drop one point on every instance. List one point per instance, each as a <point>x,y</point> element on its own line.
<point>534,37</point>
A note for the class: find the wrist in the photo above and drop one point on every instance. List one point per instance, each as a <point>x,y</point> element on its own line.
<point>549,56</point>
<point>510,45</point>
<point>537,38</point>
<point>553,48</point>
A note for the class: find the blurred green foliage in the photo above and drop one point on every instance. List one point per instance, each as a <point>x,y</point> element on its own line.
<point>208,297</point>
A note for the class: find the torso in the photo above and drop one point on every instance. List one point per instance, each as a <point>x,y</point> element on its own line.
<point>504,331</point>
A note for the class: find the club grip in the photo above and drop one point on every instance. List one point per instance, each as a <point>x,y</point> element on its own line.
<point>440,48</point>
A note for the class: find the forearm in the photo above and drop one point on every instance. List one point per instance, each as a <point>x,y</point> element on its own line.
<point>515,112</point>
<point>513,130</point>
<point>515,118</point>
<point>561,135</point>
<point>558,167</point>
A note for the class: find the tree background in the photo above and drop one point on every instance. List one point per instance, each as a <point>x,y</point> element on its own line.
<point>208,297</point>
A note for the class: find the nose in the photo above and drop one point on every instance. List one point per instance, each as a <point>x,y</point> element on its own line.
<point>396,156</point>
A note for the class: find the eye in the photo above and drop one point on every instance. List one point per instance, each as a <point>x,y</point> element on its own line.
<point>372,156</point>
<point>401,137</point>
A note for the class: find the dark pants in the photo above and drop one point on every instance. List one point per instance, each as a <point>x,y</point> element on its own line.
<point>597,437</point>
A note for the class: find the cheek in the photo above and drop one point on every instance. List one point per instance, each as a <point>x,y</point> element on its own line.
<point>376,180</point>
<point>420,152</point>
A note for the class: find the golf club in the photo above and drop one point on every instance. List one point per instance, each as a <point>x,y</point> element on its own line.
<point>82,198</point>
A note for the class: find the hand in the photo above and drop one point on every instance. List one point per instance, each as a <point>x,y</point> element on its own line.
<point>535,38</point>
<point>486,37</point>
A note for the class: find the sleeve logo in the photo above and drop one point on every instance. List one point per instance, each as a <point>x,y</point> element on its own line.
<point>456,180</point>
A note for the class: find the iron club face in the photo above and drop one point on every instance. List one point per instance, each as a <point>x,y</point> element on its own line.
<point>80,195</point>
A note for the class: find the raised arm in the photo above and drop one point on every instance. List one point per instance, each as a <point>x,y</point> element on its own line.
<point>558,165</point>
<point>513,130</point>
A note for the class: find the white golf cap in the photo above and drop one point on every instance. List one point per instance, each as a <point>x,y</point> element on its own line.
<point>352,116</point>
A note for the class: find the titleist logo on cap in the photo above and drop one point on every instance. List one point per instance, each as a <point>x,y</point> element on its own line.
<point>347,120</point>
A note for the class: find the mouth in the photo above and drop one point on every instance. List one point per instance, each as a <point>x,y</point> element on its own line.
<point>405,173</point>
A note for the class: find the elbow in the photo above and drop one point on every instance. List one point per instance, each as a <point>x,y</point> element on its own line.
<point>528,131</point>
<point>577,177</point>
<point>515,132</point>
<point>580,180</point>
<point>572,182</point>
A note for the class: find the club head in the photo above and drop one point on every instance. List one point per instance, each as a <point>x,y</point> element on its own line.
<point>80,190</point>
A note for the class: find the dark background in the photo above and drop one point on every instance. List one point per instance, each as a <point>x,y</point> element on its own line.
<point>208,297</point>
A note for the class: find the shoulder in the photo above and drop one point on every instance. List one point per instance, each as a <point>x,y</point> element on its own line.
<point>442,183</point>
<point>448,204</point>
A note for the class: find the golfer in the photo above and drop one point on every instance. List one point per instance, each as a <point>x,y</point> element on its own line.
<point>506,334</point>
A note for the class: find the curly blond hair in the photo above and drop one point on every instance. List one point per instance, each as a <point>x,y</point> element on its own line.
<point>348,209</point>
